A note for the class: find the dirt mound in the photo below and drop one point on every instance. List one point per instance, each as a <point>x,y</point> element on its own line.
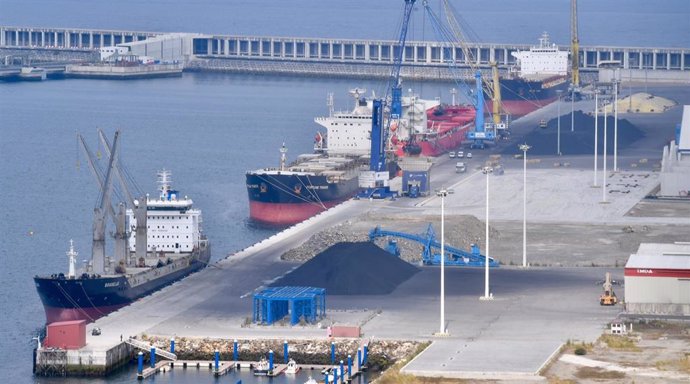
<point>351,269</point>
<point>581,142</point>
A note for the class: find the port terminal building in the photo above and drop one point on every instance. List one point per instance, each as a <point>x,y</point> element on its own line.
<point>657,280</point>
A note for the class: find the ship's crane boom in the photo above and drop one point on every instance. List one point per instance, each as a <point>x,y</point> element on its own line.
<point>452,36</point>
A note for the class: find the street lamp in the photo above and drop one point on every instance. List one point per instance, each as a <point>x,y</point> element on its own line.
<point>596,133</point>
<point>487,171</point>
<point>572,108</point>
<point>558,92</point>
<point>442,194</point>
<point>524,148</point>
<point>604,182</point>
<point>615,124</point>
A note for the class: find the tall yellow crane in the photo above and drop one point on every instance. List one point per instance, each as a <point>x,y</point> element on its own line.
<point>574,45</point>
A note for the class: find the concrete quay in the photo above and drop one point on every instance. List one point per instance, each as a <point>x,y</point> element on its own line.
<point>513,337</point>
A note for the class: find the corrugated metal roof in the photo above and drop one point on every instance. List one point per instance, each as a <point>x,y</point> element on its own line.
<point>661,255</point>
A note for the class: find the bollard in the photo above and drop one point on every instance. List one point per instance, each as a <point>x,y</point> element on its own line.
<point>326,378</point>
<point>335,375</point>
<point>234,351</point>
<point>332,352</point>
<point>172,345</point>
<point>216,357</point>
<point>349,367</point>
<point>342,372</point>
<point>140,365</point>
<point>153,356</point>
<point>270,361</point>
<point>285,351</point>
<point>365,354</point>
<point>359,359</point>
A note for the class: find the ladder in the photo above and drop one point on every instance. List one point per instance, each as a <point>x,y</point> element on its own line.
<point>147,347</point>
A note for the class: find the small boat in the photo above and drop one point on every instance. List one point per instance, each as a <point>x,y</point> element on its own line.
<point>261,368</point>
<point>311,381</point>
<point>292,367</point>
<point>333,374</point>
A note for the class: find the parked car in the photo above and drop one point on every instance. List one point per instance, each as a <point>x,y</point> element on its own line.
<point>451,154</point>
<point>461,154</point>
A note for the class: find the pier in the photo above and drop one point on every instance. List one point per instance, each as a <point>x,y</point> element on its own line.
<point>426,60</point>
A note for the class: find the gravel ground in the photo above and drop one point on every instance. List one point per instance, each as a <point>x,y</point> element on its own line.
<point>659,354</point>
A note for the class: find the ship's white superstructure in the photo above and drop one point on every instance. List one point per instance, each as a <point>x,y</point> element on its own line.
<point>349,132</point>
<point>544,60</point>
<point>173,226</point>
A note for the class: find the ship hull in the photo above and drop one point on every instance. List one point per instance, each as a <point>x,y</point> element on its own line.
<point>286,199</point>
<point>92,298</point>
<point>449,142</point>
<point>520,97</point>
<point>447,128</point>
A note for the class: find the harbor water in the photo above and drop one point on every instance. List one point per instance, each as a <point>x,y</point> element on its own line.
<point>209,129</point>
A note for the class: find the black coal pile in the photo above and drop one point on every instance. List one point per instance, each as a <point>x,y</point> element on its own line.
<point>351,269</point>
<point>544,140</point>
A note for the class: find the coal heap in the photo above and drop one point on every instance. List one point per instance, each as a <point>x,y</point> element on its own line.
<point>351,269</point>
<point>544,141</point>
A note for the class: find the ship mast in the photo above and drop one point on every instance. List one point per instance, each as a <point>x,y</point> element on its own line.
<point>283,157</point>
<point>72,255</point>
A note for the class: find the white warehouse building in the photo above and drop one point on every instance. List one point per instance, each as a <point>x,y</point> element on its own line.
<point>657,279</point>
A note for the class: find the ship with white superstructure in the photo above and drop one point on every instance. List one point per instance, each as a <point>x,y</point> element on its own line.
<point>158,240</point>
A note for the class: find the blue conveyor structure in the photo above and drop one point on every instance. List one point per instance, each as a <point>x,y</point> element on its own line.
<point>454,256</point>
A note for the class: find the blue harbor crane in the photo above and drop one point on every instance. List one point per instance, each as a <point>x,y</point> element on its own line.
<point>378,174</point>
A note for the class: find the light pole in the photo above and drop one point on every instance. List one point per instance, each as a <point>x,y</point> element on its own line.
<point>604,181</point>
<point>572,108</point>
<point>442,194</point>
<point>596,133</point>
<point>524,148</point>
<point>615,124</point>
<point>558,92</point>
<point>487,171</point>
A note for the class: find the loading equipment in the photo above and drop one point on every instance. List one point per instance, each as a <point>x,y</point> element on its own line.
<point>454,256</point>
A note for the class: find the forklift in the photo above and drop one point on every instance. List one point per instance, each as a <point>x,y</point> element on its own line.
<point>608,297</point>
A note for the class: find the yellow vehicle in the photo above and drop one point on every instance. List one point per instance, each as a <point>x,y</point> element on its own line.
<point>608,297</point>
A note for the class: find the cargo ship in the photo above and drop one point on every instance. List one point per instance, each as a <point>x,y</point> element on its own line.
<point>426,127</point>
<point>311,184</point>
<point>534,82</point>
<point>165,245</point>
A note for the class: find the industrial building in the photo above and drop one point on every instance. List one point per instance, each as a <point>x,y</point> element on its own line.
<point>657,279</point>
<point>675,162</point>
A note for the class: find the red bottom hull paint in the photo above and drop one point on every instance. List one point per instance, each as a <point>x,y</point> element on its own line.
<point>89,314</point>
<point>517,108</point>
<point>285,214</point>
<point>438,146</point>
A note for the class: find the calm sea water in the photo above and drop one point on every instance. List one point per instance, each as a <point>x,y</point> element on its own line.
<point>210,129</point>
